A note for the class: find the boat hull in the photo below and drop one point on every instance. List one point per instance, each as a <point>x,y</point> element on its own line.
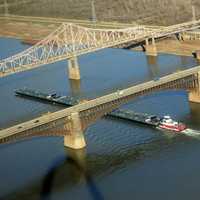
<point>171,128</point>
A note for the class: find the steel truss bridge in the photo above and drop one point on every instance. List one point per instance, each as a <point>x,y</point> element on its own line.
<point>70,40</point>
<point>61,123</point>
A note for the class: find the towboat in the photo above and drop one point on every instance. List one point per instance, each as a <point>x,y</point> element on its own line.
<point>167,123</point>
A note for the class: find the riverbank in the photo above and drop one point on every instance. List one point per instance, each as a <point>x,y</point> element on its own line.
<point>154,12</point>
<point>25,30</point>
<point>176,47</point>
<point>35,29</point>
<point>172,46</point>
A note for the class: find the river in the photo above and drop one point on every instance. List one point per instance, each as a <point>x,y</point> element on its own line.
<point>123,160</point>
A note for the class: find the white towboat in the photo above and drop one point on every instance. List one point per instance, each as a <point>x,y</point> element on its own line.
<point>167,123</point>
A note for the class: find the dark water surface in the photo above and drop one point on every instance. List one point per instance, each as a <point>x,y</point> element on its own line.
<point>122,160</point>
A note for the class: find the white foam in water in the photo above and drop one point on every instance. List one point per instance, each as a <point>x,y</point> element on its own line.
<point>191,132</point>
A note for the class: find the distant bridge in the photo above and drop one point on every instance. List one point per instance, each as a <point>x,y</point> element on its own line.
<point>71,122</point>
<point>70,41</point>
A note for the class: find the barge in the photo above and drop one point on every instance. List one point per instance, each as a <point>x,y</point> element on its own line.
<point>152,120</point>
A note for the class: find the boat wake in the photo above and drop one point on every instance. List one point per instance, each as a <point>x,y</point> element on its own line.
<point>191,132</point>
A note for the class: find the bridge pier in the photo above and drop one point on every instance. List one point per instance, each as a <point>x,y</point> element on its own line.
<point>150,47</point>
<point>179,36</point>
<point>194,94</point>
<point>197,54</point>
<point>75,139</point>
<point>75,87</point>
<point>73,69</point>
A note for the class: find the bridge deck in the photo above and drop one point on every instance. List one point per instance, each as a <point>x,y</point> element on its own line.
<point>70,40</point>
<point>95,102</point>
<point>68,101</point>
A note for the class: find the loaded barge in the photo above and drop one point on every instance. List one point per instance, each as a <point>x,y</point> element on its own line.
<point>163,123</point>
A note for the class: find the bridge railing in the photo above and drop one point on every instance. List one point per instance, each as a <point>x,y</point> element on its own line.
<point>67,41</point>
<point>72,40</point>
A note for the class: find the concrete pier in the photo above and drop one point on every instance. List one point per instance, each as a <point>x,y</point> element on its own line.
<point>194,94</point>
<point>75,87</point>
<point>197,55</point>
<point>150,47</point>
<point>75,139</point>
<point>151,60</point>
<point>73,69</point>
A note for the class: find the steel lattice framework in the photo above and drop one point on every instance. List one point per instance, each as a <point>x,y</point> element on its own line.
<point>71,40</point>
<point>67,41</point>
<point>60,123</point>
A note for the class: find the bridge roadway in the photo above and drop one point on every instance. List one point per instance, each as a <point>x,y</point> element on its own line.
<point>71,40</point>
<point>29,125</point>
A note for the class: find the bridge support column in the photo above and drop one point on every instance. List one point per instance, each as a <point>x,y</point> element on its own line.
<point>73,69</point>
<point>151,49</point>
<point>75,139</point>
<point>75,87</point>
<point>197,55</point>
<point>180,36</point>
<point>194,94</point>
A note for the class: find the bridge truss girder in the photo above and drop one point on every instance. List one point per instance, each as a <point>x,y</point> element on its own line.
<point>67,41</point>
<point>63,125</point>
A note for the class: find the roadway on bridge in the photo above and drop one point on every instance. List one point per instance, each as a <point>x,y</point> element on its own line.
<point>71,40</point>
<point>95,102</point>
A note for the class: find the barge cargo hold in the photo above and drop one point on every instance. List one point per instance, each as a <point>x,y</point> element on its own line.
<point>163,123</point>
<point>71,101</point>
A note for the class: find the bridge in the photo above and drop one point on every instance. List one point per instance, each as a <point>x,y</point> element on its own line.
<point>71,122</point>
<point>70,41</point>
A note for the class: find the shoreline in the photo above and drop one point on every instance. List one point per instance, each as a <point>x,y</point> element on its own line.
<point>31,32</point>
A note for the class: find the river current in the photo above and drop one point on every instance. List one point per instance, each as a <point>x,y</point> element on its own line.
<point>123,160</point>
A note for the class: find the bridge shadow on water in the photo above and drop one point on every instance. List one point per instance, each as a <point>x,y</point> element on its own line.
<point>77,164</point>
<point>77,169</point>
